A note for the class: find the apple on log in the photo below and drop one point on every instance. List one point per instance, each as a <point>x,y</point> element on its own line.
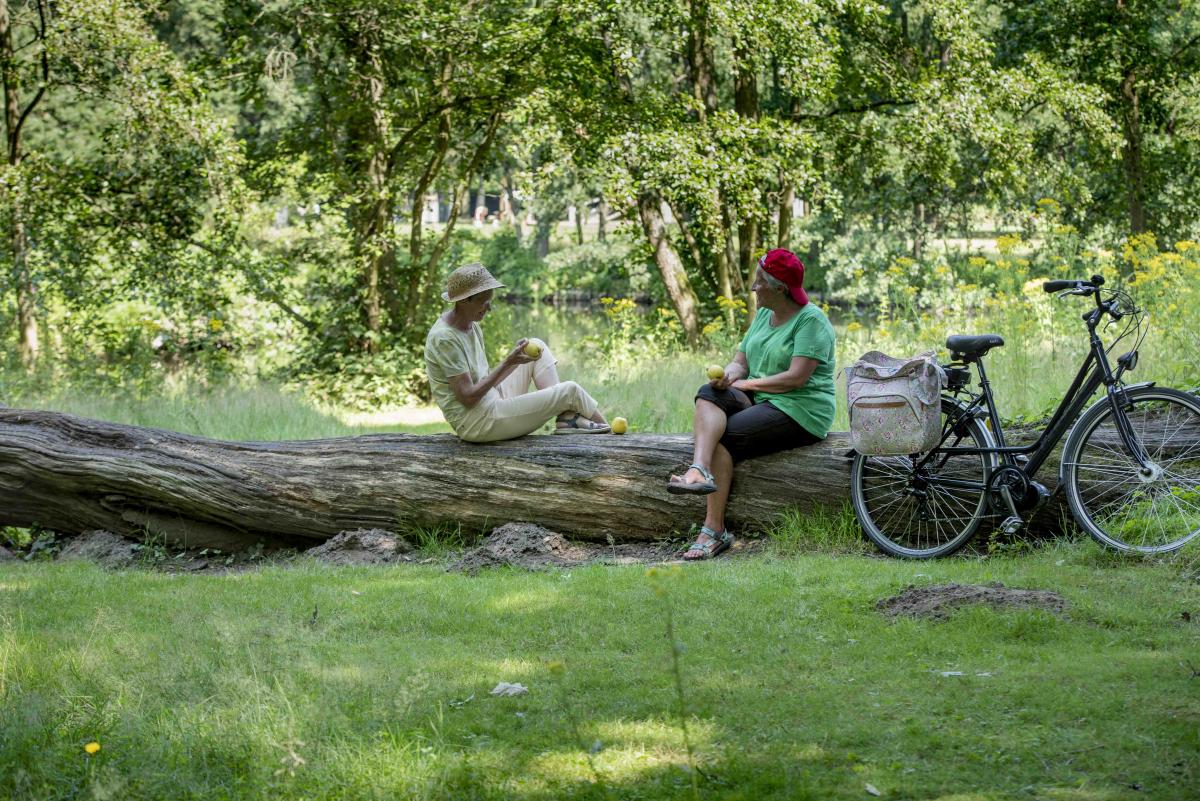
<point>72,474</point>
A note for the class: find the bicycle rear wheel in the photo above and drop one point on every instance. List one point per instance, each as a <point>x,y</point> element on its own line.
<point>1114,500</point>
<point>916,513</point>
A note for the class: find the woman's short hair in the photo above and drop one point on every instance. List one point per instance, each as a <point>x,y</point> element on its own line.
<point>775,283</point>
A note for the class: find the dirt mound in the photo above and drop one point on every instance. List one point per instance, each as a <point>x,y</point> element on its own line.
<point>522,545</point>
<point>364,546</point>
<point>7,555</point>
<point>102,547</point>
<point>532,547</point>
<point>937,601</point>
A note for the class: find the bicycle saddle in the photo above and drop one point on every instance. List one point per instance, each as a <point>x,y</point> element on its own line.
<point>976,345</point>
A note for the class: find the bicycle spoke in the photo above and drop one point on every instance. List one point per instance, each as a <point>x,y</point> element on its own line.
<point>907,508</point>
<point>1123,505</point>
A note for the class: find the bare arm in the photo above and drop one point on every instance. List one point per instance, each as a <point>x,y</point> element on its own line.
<point>469,394</point>
<point>796,376</point>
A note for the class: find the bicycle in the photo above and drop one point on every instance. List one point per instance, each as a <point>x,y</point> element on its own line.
<point>1130,466</point>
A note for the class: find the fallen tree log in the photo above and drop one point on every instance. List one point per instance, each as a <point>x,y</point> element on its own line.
<point>72,474</point>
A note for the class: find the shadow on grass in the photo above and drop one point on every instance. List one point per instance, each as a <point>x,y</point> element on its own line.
<point>368,683</point>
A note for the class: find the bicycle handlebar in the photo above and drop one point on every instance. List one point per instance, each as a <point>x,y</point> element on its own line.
<point>1059,286</point>
<point>1090,285</point>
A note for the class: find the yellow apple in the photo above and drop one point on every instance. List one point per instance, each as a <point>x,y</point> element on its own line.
<point>533,350</point>
<point>715,372</point>
<point>619,425</point>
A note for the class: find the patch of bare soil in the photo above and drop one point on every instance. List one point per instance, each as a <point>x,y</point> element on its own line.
<point>937,601</point>
<point>365,546</point>
<point>102,547</point>
<point>532,547</point>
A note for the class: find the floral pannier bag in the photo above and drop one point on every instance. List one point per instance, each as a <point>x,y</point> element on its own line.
<point>894,404</point>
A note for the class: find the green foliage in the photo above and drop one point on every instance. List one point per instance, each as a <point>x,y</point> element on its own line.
<point>362,381</point>
<point>514,265</point>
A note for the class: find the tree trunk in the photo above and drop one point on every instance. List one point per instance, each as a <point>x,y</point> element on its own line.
<point>601,219</point>
<point>675,279</point>
<point>918,231</point>
<point>700,59</point>
<point>580,211</point>
<point>541,238</point>
<point>1135,178</point>
<point>26,290</point>
<point>374,240</point>
<point>70,474</point>
<point>745,99</point>
<point>787,197</point>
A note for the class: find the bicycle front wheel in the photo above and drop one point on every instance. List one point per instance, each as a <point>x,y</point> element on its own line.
<point>933,510</point>
<point>1122,505</point>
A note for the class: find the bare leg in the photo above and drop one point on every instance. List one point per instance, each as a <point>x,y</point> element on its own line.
<point>722,470</point>
<point>708,426</point>
<point>714,517</point>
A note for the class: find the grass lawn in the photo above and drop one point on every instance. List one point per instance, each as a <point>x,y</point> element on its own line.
<point>311,682</point>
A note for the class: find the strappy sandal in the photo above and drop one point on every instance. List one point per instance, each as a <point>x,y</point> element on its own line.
<point>693,487</point>
<point>573,426</point>
<point>719,543</point>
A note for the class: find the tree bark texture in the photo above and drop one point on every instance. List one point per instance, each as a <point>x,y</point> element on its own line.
<point>72,474</point>
<point>14,119</point>
<point>374,205</point>
<point>1135,177</point>
<point>675,279</point>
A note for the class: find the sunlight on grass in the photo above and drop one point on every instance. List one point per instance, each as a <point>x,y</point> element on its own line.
<point>792,682</point>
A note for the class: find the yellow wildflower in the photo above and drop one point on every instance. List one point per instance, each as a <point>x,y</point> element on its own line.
<point>92,747</point>
<point>1007,243</point>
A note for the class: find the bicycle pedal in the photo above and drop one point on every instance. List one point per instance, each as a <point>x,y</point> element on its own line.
<point>1011,525</point>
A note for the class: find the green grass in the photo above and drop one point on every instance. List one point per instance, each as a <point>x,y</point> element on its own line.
<point>259,412</point>
<point>225,687</point>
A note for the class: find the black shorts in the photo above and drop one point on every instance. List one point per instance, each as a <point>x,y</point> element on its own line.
<point>754,429</point>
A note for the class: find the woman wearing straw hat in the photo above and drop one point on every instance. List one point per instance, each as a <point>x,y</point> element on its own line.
<point>484,405</point>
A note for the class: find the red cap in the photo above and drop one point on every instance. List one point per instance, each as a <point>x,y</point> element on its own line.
<point>783,265</point>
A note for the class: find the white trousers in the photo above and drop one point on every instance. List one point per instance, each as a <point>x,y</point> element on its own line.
<point>511,410</point>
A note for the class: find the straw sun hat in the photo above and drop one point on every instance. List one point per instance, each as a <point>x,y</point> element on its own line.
<point>468,280</point>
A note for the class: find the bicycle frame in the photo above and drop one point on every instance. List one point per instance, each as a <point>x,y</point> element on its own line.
<point>1093,373</point>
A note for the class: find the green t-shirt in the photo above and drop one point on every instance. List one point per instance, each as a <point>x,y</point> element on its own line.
<point>769,350</point>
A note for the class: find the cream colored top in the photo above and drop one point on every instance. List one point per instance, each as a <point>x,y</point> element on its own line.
<point>450,352</point>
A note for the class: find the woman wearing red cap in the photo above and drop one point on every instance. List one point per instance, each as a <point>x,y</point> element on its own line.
<point>776,394</point>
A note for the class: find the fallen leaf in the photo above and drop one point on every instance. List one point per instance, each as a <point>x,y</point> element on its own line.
<point>952,673</point>
<point>873,790</point>
<point>355,592</point>
<point>504,689</point>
